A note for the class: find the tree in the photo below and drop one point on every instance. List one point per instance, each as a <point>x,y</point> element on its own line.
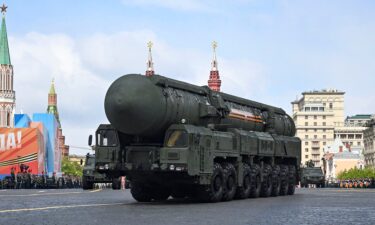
<point>71,168</point>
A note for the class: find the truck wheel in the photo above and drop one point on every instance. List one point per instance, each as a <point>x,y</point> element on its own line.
<point>284,178</point>
<point>244,191</point>
<point>255,181</point>
<point>292,180</point>
<point>266,187</point>
<point>230,181</point>
<point>140,192</point>
<point>214,191</point>
<point>160,194</point>
<point>87,185</point>
<point>276,181</point>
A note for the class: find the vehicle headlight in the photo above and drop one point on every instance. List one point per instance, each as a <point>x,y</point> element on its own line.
<point>106,166</point>
<point>171,167</point>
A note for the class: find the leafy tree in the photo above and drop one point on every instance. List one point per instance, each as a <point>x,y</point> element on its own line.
<point>71,168</point>
<point>356,173</point>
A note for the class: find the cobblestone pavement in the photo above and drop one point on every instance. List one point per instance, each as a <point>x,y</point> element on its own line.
<point>74,206</point>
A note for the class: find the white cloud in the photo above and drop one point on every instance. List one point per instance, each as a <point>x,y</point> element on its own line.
<point>84,68</point>
<point>187,5</point>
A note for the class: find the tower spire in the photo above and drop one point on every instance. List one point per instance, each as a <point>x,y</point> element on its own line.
<point>214,81</point>
<point>52,102</point>
<point>4,48</point>
<point>150,63</point>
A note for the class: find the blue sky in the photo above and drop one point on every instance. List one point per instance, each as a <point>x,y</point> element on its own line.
<point>269,51</point>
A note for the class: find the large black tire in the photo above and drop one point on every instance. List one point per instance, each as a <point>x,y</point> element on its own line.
<point>116,183</point>
<point>276,185</point>
<point>244,191</point>
<point>284,178</point>
<point>266,187</point>
<point>87,185</point>
<point>230,182</point>
<point>215,190</point>
<point>292,180</point>
<point>255,181</point>
<point>141,192</point>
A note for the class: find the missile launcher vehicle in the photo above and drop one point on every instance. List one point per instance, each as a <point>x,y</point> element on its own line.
<point>171,138</point>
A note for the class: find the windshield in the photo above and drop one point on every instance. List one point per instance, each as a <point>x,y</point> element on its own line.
<point>106,138</point>
<point>90,161</point>
<point>177,138</point>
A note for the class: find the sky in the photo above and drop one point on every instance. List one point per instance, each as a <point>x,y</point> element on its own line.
<point>268,51</point>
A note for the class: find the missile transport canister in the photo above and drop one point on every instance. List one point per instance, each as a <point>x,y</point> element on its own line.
<point>171,138</point>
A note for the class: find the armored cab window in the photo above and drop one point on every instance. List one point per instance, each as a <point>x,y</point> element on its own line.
<point>177,138</point>
<point>90,161</point>
<point>107,138</point>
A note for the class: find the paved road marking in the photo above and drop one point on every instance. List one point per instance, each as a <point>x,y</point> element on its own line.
<point>41,194</point>
<point>58,207</point>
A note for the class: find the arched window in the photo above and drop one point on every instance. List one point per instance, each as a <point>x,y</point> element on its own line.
<point>8,119</point>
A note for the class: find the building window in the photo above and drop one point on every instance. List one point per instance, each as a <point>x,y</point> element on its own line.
<point>306,117</point>
<point>324,123</point>
<point>306,143</point>
<point>306,136</point>
<point>306,156</point>
<point>358,143</point>
<point>331,105</point>
<point>315,136</point>
<point>324,136</point>
<point>324,117</point>
<point>315,123</point>
<point>306,123</point>
<point>315,117</point>
<point>306,130</point>
<point>324,130</point>
<point>306,150</point>
<point>324,143</point>
<point>315,130</point>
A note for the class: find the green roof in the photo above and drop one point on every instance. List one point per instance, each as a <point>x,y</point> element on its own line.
<point>4,48</point>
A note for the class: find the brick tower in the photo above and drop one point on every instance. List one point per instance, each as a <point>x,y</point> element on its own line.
<point>52,109</point>
<point>214,82</point>
<point>150,64</point>
<point>7,94</point>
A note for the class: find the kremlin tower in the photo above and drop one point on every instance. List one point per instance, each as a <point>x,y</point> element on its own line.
<point>214,83</point>
<point>7,94</point>
<point>150,64</point>
<point>52,109</point>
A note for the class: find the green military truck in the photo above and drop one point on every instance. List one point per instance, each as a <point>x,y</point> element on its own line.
<point>312,175</point>
<point>90,176</point>
<point>171,138</point>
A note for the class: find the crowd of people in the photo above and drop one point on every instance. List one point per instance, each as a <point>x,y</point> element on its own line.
<point>357,183</point>
<point>25,179</point>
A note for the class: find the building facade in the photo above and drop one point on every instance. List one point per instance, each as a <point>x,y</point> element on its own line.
<point>7,93</point>
<point>316,115</point>
<point>369,144</point>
